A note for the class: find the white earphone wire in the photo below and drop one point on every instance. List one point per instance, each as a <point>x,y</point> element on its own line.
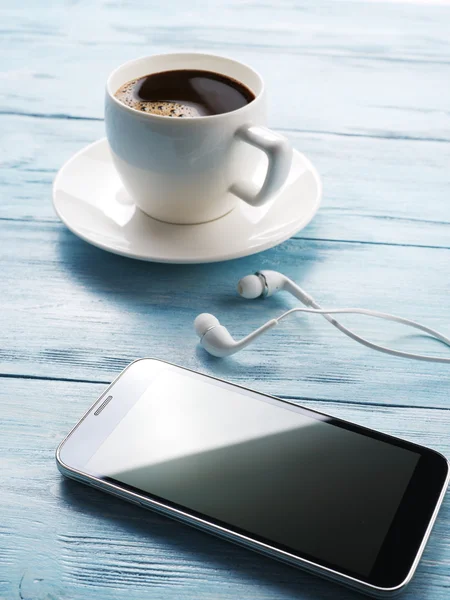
<point>379,315</point>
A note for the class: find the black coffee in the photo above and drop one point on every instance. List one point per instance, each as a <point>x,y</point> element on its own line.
<point>184,93</point>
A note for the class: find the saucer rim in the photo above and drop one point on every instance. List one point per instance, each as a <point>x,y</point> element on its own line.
<point>248,251</point>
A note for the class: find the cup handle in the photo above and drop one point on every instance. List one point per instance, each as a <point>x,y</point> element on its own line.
<point>279,153</point>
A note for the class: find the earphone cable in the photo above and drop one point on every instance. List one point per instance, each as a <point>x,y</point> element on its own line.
<point>317,309</point>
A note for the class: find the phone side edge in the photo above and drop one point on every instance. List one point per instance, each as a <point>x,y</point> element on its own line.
<point>428,531</point>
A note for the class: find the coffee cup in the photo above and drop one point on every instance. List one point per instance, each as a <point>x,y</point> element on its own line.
<point>193,170</point>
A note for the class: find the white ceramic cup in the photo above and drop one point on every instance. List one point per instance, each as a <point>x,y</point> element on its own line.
<point>194,170</point>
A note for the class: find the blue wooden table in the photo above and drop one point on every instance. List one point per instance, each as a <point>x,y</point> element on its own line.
<point>363,89</point>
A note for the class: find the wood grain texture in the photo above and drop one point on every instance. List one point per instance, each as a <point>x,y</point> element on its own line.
<point>363,89</point>
<point>351,67</point>
<point>90,313</point>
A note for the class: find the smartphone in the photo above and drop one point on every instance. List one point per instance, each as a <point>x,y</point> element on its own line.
<point>340,500</point>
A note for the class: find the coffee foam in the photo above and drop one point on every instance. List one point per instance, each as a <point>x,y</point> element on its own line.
<point>126,95</point>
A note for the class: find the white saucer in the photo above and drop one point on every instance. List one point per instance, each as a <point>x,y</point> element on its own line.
<point>89,198</point>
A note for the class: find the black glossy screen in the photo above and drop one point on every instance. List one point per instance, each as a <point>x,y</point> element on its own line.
<point>262,467</point>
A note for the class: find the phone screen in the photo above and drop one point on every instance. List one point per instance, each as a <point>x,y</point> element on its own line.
<point>260,466</point>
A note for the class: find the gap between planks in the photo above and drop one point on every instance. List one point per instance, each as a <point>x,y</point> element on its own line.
<point>380,136</point>
<point>55,220</point>
<point>282,396</point>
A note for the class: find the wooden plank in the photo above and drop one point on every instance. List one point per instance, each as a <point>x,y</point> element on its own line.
<point>63,540</point>
<point>350,69</point>
<point>371,193</point>
<point>362,88</point>
<point>72,311</point>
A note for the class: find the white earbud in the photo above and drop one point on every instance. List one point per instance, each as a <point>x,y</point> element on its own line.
<point>217,340</point>
<point>250,287</point>
<point>267,283</point>
<point>204,323</point>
